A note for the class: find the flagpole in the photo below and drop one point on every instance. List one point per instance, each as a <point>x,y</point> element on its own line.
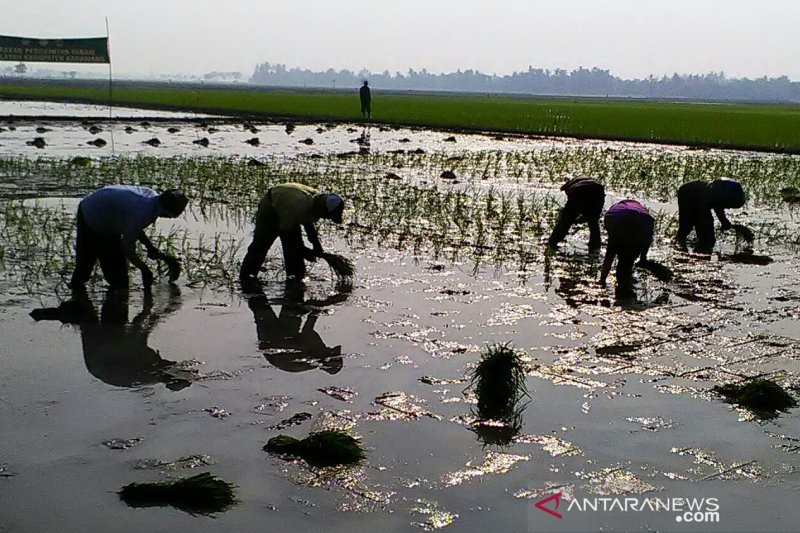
<point>110,87</point>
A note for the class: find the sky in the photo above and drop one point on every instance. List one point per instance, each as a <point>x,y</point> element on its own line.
<point>631,38</point>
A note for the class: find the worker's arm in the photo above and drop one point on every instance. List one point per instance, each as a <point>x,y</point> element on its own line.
<point>611,252</point>
<point>173,264</point>
<point>723,220</point>
<point>313,238</point>
<point>129,248</point>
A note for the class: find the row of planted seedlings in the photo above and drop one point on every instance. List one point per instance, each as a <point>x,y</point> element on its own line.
<point>473,220</point>
<point>655,172</point>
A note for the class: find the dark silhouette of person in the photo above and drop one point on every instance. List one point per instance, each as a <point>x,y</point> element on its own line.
<point>366,100</point>
<point>281,213</point>
<point>114,350</point>
<point>287,342</point>
<point>110,221</point>
<point>630,233</point>
<point>697,199</point>
<point>585,199</point>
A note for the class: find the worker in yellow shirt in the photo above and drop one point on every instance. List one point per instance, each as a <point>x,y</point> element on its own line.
<point>281,213</point>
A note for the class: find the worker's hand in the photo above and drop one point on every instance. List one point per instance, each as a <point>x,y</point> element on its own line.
<point>147,277</point>
<point>174,267</point>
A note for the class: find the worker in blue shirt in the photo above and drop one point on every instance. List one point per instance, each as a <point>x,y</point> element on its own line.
<point>110,221</point>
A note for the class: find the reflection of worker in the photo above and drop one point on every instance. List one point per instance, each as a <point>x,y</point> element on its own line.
<point>366,100</point>
<point>281,213</point>
<point>630,232</point>
<point>290,344</point>
<point>115,351</point>
<point>585,198</point>
<point>110,221</point>
<point>696,200</point>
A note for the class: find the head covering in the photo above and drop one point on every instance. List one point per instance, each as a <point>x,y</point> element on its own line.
<point>173,202</point>
<point>727,193</point>
<point>334,205</point>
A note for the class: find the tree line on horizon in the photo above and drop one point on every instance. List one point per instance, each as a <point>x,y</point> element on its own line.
<point>714,86</point>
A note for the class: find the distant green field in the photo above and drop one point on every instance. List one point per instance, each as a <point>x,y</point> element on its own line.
<point>764,127</point>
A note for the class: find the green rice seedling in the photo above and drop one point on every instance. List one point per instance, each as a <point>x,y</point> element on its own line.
<point>341,266</point>
<point>765,398</point>
<point>320,449</point>
<point>202,494</point>
<point>498,382</point>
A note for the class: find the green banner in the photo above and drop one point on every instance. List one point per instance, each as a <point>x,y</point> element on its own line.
<point>30,50</point>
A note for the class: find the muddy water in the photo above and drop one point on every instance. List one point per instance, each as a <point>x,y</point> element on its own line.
<point>196,380</point>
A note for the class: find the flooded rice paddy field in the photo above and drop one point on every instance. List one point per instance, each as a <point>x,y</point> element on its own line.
<point>199,377</point>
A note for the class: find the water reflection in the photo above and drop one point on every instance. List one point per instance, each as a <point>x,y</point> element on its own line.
<point>115,350</point>
<point>289,343</point>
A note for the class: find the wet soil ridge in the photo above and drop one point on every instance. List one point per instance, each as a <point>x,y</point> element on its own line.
<point>765,398</point>
<point>203,494</point>
<point>320,449</point>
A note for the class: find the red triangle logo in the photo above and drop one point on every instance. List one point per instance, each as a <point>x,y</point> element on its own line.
<point>541,505</point>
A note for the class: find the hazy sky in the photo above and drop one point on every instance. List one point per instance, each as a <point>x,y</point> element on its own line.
<point>632,38</point>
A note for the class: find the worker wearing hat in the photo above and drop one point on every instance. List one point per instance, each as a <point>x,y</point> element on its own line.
<point>697,200</point>
<point>281,213</point>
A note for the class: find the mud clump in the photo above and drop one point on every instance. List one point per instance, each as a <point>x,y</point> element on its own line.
<point>790,195</point>
<point>308,141</point>
<point>289,129</point>
<point>204,142</point>
<point>153,142</point>
<point>747,258</point>
<point>391,176</point>
<point>405,140</point>
<point>173,130</point>
<point>42,129</point>
<point>38,142</point>
<point>99,143</point>
<point>81,161</point>
<point>255,163</point>
<point>320,449</point>
<point>253,142</point>
<point>202,494</point>
<point>94,130</point>
<point>450,139</point>
<point>764,397</point>
<point>129,129</point>
<point>448,175</point>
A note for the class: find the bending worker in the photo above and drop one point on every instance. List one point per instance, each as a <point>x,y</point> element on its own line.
<point>696,199</point>
<point>630,232</point>
<point>110,221</point>
<point>281,213</point>
<point>585,199</point>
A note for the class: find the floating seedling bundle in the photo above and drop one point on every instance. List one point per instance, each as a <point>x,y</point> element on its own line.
<point>320,449</point>
<point>764,397</point>
<point>499,384</point>
<point>201,494</point>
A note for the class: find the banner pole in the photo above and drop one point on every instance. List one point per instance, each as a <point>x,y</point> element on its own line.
<point>110,88</point>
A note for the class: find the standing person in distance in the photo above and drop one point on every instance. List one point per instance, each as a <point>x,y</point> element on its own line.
<point>585,200</point>
<point>110,221</point>
<point>697,199</point>
<point>366,100</point>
